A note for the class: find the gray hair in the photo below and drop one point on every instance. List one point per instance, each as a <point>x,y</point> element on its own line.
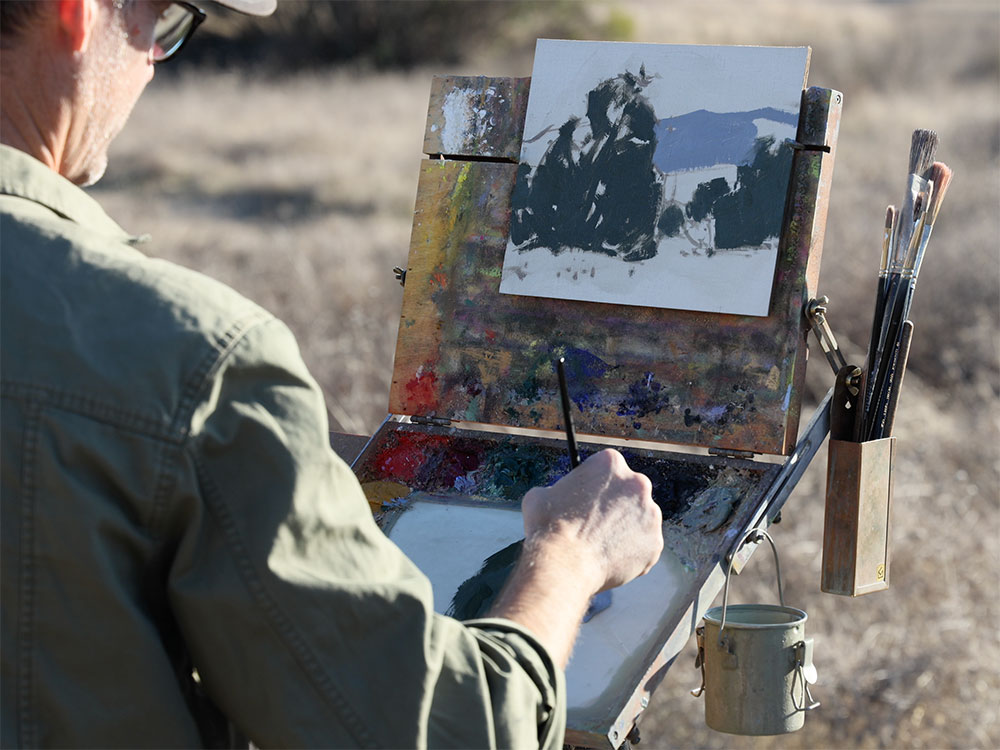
<point>17,15</point>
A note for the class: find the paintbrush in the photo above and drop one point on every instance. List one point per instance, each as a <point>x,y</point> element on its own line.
<point>887,234</point>
<point>923,145</point>
<point>574,456</point>
<point>940,177</point>
<point>893,319</point>
<point>892,293</point>
<point>880,290</point>
<point>897,378</point>
<point>873,339</point>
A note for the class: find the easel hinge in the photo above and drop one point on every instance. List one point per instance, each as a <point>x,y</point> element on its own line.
<point>816,315</point>
<point>729,453</point>
<point>433,421</point>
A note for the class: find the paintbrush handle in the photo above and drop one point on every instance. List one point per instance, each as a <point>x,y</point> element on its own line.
<point>881,330</point>
<point>906,222</point>
<point>873,340</point>
<point>897,377</point>
<point>879,377</point>
<point>916,238</point>
<point>574,455</point>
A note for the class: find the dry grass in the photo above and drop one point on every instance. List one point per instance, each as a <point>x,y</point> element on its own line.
<point>299,193</point>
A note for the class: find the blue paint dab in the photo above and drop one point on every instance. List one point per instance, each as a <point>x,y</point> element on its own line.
<point>702,139</point>
<point>582,370</point>
<point>644,397</point>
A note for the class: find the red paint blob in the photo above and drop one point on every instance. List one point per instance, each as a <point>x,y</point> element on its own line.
<point>421,393</point>
<point>409,452</point>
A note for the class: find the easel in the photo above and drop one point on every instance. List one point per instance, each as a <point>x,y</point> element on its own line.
<point>464,356</point>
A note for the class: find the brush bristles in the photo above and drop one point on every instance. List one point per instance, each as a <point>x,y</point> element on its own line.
<point>940,175</point>
<point>923,146</point>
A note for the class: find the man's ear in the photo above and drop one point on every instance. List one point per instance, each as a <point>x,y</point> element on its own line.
<point>76,22</point>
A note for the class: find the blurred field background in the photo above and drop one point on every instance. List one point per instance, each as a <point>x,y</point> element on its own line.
<point>281,157</point>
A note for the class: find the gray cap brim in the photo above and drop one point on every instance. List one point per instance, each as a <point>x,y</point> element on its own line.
<point>250,7</point>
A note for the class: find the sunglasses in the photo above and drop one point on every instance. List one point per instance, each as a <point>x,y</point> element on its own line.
<point>174,27</point>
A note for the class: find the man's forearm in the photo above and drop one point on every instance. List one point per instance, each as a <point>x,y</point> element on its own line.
<point>548,593</point>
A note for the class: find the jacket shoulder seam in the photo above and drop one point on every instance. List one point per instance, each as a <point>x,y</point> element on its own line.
<point>89,406</point>
<point>309,663</point>
<point>200,379</point>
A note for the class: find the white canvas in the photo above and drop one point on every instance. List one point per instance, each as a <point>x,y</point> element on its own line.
<point>449,543</point>
<point>654,175</point>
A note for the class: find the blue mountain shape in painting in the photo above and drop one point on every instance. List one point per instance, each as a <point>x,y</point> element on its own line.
<point>702,139</point>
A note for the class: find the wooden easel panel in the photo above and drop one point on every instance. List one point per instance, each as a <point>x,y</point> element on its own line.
<point>466,352</point>
<point>478,117</point>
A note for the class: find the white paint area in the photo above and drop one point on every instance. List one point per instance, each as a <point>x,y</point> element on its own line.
<point>607,661</point>
<point>449,544</point>
<point>458,117</point>
<point>469,114</point>
<point>739,280</point>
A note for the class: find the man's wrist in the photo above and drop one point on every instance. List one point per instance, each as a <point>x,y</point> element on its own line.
<point>558,551</point>
<point>549,590</point>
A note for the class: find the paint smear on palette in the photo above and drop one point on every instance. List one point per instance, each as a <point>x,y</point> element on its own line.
<point>584,371</point>
<point>432,463</point>
<point>503,469</point>
<point>514,468</point>
<point>475,597</point>
<point>450,542</point>
<point>407,456</point>
<point>381,493</point>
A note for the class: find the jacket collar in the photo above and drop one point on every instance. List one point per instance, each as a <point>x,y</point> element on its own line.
<point>24,176</point>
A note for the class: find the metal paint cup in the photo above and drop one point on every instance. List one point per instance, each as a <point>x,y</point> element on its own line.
<point>756,665</point>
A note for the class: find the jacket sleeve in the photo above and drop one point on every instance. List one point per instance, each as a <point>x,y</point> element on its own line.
<point>309,628</point>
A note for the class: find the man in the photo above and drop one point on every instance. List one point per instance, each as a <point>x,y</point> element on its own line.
<point>180,546</point>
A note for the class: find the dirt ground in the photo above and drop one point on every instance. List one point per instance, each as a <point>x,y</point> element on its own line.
<point>299,192</point>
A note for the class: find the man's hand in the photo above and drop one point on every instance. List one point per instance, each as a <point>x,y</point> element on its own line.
<point>594,529</point>
<point>604,509</point>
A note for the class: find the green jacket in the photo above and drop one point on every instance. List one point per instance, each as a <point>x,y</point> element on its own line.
<point>169,500</point>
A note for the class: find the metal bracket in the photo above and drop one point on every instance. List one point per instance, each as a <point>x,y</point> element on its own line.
<point>797,146</point>
<point>433,421</point>
<point>816,311</point>
<point>729,453</point>
<point>400,274</point>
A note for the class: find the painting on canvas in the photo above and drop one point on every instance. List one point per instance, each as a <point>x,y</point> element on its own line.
<point>654,175</point>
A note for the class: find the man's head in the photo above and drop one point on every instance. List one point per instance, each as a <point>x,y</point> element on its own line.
<point>73,69</point>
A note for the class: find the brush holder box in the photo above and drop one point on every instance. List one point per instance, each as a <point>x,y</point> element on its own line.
<point>856,519</point>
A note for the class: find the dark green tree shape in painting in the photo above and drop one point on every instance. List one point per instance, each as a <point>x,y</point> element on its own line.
<point>744,216</point>
<point>602,195</point>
